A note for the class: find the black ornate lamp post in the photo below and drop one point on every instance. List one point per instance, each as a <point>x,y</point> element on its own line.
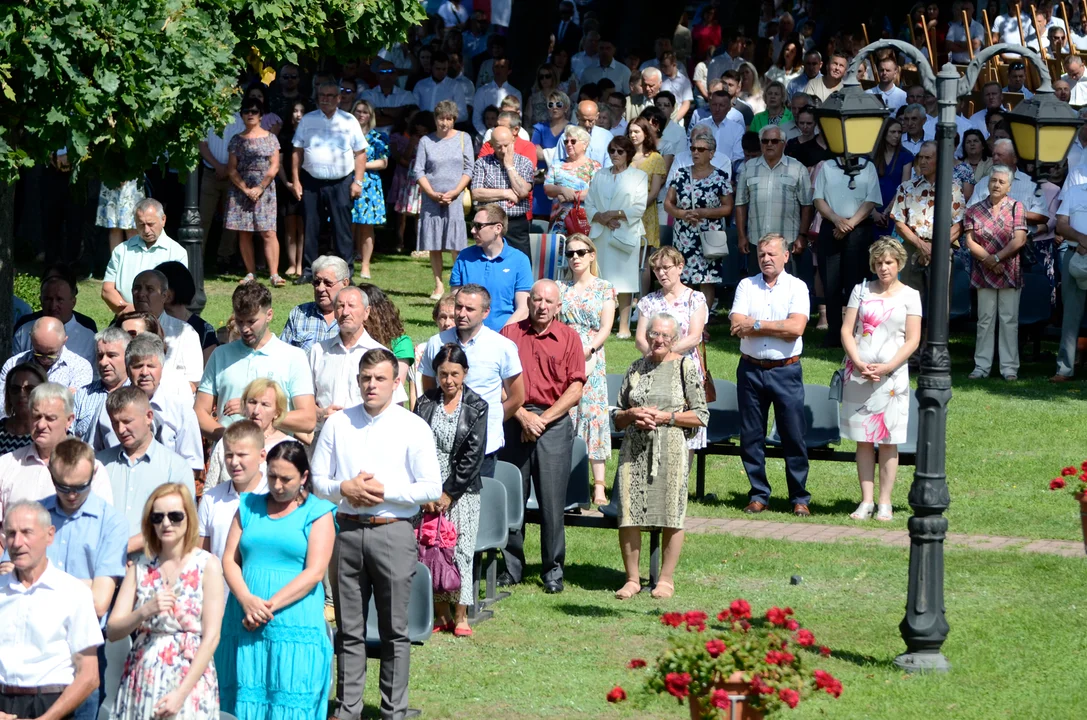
<point>850,121</point>
<point>1043,130</point>
<point>190,235</point>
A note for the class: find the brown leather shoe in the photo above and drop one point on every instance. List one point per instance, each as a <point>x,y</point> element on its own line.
<point>754,507</point>
<point>801,510</point>
<point>1060,379</point>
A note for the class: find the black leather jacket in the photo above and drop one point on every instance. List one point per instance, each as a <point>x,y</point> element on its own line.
<point>469,443</point>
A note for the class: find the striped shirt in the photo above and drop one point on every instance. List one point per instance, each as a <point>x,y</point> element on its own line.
<point>774,196</point>
<point>306,325</point>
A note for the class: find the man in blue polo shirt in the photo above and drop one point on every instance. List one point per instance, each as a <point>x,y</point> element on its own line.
<point>492,263</point>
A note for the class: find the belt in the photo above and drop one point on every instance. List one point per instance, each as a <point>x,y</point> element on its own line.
<point>41,690</point>
<point>769,364</point>
<point>368,519</point>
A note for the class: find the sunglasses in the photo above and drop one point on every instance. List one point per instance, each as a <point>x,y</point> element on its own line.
<point>386,71</point>
<point>555,104</point>
<point>176,517</point>
<point>72,489</point>
<point>577,253</point>
<point>544,76</point>
<point>326,283</point>
<point>700,149</point>
<point>771,141</point>
<point>569,141</point>
<point>477,226</point>
<point>251,111</point>
<point>46,356</point>
<point>616,151</point>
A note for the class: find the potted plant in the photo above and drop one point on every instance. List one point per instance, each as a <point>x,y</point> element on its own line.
<point>749,668</point>
<point>1074,480</point>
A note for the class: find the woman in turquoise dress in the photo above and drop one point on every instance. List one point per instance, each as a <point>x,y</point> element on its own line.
<point>275,651</point>
<point>369,208</point>
<point>588,306</point>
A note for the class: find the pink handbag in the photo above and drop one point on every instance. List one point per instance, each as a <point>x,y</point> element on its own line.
<point>436,541</point>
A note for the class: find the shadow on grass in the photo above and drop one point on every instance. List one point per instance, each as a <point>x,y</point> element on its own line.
<point>596,577</point>
<point>589,611</point>
<point>863,661</point>
<point>738,500</point>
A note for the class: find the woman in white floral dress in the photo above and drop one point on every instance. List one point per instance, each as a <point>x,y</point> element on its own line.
<point>881,329</point>
<point>117,210</point>
<point>172,598</point>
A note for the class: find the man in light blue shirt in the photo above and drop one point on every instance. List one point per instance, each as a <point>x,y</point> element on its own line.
<point>150,247</point>
<point>494,264</point>
<point>493,365</point>
<point>258,353</point>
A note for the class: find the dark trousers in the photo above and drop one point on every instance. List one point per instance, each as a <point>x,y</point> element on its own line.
<point>490,461</point>
<point>28,706</point>
<point>756,389</point>
<point>89,709</point>
<point>327,198</point>
<point>376,560</point>
<point>843,264</point>
<point>546,464</point>
<point>517,235</point>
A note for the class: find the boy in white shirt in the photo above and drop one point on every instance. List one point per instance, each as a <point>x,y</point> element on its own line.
<point>244,453</point>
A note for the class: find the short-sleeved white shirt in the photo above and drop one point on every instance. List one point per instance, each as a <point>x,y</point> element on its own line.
<point>788,296</point>
<point>217,510</point>
<point>329,144</point>
<point>832,186</point>
<point>1074,205</point>
<point>183,351</point>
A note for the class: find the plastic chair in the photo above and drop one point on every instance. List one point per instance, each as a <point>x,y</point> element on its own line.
<point>420,613</point>
<point>724,422</point>
<point>1034,306</point>
<point>510,477</point>
<point>494,530</point>
<point>615,382</point>
<point>820,419</point>
<point>961,305</point>
<point>577,488</point>
<point>910,446</point>
<point>546,259</point>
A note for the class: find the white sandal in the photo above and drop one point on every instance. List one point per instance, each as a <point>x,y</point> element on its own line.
<point>863,511</point>
<point>884,513</point>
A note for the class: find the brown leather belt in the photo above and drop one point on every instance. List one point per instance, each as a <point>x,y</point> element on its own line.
<point>41,690</point>
<point>769,364</point>
<point>368,519</point>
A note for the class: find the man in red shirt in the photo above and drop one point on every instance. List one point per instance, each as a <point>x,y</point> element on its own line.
<point>540,435</point>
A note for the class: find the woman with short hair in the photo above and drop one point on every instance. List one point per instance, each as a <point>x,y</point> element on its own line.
<point>567,182</point>
<point>265,403</point>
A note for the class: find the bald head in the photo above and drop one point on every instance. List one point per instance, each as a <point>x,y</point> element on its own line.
<point>587,114</point>
<point>543,304</point>
<point>47,338</point>
<point>501,135</point>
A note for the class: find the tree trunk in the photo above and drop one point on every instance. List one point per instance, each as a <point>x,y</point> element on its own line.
<point>7,267</point>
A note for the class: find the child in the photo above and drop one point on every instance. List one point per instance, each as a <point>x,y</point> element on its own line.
<point>444,319</point>
<point>243,443</point>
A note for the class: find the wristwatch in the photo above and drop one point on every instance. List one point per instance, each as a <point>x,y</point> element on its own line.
<point>359,183</point>
<point>757,326</point>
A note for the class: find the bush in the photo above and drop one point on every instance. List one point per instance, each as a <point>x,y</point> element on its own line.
<point>28,289</point>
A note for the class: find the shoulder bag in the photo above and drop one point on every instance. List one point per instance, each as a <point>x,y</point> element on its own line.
<point>466,196</point>
<point>837,380</point>
<point>576,221</point>
<point>436,552</point>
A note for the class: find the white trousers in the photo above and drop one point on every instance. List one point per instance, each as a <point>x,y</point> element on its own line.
<point>994,305</point>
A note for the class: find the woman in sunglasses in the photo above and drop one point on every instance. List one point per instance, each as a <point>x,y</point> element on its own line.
<point>536,107</point>
<point>567,182</point>
<point>545,136</point>
<point>172,599</point>
<point>16,426</point>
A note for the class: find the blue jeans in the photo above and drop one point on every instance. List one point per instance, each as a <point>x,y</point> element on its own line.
<point>756,389</point>
<point>1073,298</point>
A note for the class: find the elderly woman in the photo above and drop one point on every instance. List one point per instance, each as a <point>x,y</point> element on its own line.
<point>776,112</point>
<point>369,209</point>
<point>265,403</point>
<point>545,136</point>
<point>251,201</point>
<point>615,206</point>
<point>996,230</point>
<point>661,403</point>
<point>458,417</point>
<point>700,200</point>
<point>881,329</point>
<point>16,426</point>
<point>588,306</point>
<point>567,183</point>
<point>443,169</point>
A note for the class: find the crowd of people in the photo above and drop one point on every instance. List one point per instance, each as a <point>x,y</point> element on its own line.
<point>187,509</point>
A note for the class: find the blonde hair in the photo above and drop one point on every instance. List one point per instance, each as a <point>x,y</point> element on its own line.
<point>578,133</point>
<point>666,253</point>
<point>373,114</point>
<point>192,531</point>
<point>594,269</point>
<point>262,385</point>
<point>241,431</point>
<point>886,246</point>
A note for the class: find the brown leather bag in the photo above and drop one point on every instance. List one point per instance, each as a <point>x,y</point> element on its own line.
<point>707,382</point>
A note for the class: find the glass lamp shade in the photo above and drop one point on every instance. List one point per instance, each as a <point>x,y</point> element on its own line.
<point>851,120</point>
<point>1043,129</point>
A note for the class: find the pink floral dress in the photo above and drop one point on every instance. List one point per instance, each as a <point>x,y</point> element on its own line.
<point>878,412</point>
<point>165,646</point>
<point>583,312</point>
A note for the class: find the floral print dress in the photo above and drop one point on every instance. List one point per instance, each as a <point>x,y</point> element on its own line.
<point>165,646</point>
<point>878,412</point>
<point>369,208</point>
<point>254,158</point>
<point>117,206</point>
<point>695,194</point>
<point>583,311</point>
<point>575,177</point>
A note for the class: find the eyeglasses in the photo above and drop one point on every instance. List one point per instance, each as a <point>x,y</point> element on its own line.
<point>665,268</point>
<point>544,76</point>
<point>771,141</point>
<point>555,104</point>
<point>699,149</point>
<point>616,151</point>
<point>176,517</point>
<point>577,253</point>
<point>45,356</point>
<point>653,335</point>
<point>569,141</point>
<point>325,283</point>
<point>477,226</point>
<point>251,111</point>
<point>71,489</point>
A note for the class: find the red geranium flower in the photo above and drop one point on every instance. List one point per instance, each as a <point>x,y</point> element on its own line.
<point>719,699</point>
<point>741,609</point>
<point>777,657</point>
<point>1056,483</point>
<point>745,625</point>
<point>617,694</point>
<point>696,620</point>
<point>826,681</point>
<point>805,638</point>
<point>788,610</point>
<point>1069,471</point>
<point>677,684</point>
<point>758,687</point>
<point>824,651</point>
<point>791,624</point>
<point>789,696</point>
<point>776,616</point>
<point>672,619</point>
<point>715,647</point>
<point>1083,466</point>
<point>636,663</point>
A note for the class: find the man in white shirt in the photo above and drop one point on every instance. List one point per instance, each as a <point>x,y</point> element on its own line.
<point>728,60</point>
<point>329,169</point>
<point>183,351</point>
<point>457,74</point>
<point>607,66</point>
<point>588,56</point>
<point>1072,226</point>
<point>493,93</point>
<point>1023,187</point>
<point>813,66</point>
<point>822,86</point>
<point>379,462</point>
<point>391,102</point>
<point>769,314</point>
<point>676,83</point>
<point>58,299</point>
<point>49,648</point>
<point>439,86</point>
<point>1007,27</point>
<point>729,135</point>
<point>1075,153</point>
<point>893,96</point>
<point>957,41</point>
<point>1076,78</point>
<point>992,97</point>
<point>214,183</point>
<point>913,127</point>
<point>244,458</point>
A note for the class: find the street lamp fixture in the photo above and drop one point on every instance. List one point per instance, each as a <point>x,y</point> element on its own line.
<point>850,121</point>
<point>1042,130</point>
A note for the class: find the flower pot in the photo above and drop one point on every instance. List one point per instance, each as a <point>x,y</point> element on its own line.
<point>737,691</point>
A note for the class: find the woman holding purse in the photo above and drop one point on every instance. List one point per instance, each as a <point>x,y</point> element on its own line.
<point>615,206</point>
<point>458,418</point>
<point>567,183</point>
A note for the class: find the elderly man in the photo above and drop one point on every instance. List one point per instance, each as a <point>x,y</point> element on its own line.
<point>1022,189</point>
<point>91,417</point>
<point>587,113</point>
<point>522,142</point>
<point>675,82</point>
<point>1072,226</point>
<point>493,93</point>
<point>257,353</point>
<point>494,368</point>
<point>327,174</point>
<point>391,102</point>
<point>913,128</point>
<point>334,363</point>
<point>887,89</point>
<point>379,462</point>
<point>607,67</point>
<point>148,248</point>
<point>49,659</point>
<point>813,68</point>
<point>215,184</point>
<point>58,297</point>
<point>823,85</point>
<point>24,473</point>
<point>312,322</point>
<point>49,351</point>
<point>540,436</point>
<point>992,98</point>
<point>497,265</point>
<point>773,194</point>
<point>505,178</point>
<point>184,353</point>
<point>651,86</point>
<point>769,315</point>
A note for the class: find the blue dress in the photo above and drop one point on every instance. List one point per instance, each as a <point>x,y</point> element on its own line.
<point>542,138</point>
<point>889,182</point>
<point>369,207</point>
<point>282,670</point>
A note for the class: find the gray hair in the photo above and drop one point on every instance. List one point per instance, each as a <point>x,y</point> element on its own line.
<point>915,107</point>
<point>666,317</point>
<point>768,128</point>
<point>1003,170</point>
<point>706,136</point>
<point>446,109</point>
<point>651,73</point>
<point>928,143</point>
<point>513,118</point>
<point>150,204</point>
<point>164,282</point>
<point>354,288</point>
<point>771,237</point>
<point>53,391</point>
<point>145,345</point>
<point>112,334</point>
<point>334,263</point>
<point>578,133</point>
<point>41,515</point>
<point>1004,143</point>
